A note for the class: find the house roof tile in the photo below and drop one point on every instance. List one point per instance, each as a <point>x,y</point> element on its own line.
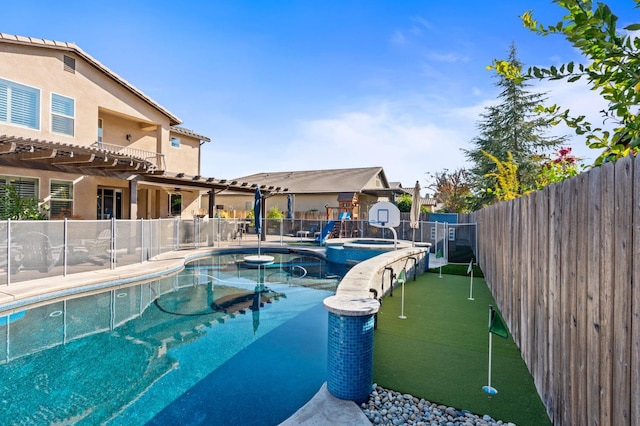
<point>190,133</point>
<point>319,181</point>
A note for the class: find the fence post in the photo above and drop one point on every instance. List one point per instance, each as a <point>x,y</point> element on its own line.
<point>8,252</point>
<point>141,240</point>
<point>112,256</point>
<point>218,236</point>
<point>196,231</point>
<point>176,233</point>
<point>65,247</point>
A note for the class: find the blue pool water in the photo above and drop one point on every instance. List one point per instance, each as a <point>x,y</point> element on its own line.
<point>356,251</point>
<point>218,343</point>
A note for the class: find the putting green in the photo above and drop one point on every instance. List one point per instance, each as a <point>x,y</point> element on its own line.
<point>440,351</point>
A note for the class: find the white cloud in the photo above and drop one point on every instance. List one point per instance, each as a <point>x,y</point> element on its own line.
<point>408,137</point>
<point>398,38</point>
<point>447,57</point>
<point>407,144</point>
<point>422,22</point>
<point>476,91</point>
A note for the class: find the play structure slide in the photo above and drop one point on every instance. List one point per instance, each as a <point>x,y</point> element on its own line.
<point>326,231</point>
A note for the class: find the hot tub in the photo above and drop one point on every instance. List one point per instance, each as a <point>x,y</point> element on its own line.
<point>355,251</point>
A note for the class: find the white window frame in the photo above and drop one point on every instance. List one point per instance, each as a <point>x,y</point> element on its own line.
<point>175,142</point>
<point>11,104</point>
<point>10,180</point>
<point>71,118</point>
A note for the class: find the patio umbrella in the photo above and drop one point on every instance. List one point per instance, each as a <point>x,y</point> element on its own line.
<point>289,206</point>
<point>257,215</point>
<point>415,211</point>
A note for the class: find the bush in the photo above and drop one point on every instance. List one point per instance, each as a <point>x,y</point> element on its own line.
<point>274,213</point>
<point>14,207</point>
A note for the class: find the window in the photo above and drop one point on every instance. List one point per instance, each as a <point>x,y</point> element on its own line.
<point>62,114</point>
<point>100,133</point>
<point>25,188</point>
<point>61,201</point>
<point>175,204</point>
<point>69,64</point>
<point>175,142</point>
<point>19,104</point>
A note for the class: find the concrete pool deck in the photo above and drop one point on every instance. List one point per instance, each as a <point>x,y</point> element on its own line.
<point>325,409</point>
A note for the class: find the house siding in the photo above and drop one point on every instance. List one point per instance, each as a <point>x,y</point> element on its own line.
<point>128,120</point>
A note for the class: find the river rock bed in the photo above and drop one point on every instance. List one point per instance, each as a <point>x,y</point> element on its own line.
<point>387,407</point>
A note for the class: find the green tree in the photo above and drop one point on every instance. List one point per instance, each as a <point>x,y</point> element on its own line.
<point>612,70</point>
<point>404,203</point>
<point>14,207</point>
<point>513,125</point>
<point>275,213</point>
<point>452,189</point>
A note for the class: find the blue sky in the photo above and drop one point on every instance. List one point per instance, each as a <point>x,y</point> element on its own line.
<point>307,85</point>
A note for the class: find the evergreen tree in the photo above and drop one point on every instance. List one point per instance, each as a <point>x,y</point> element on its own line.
<point>514,126</point>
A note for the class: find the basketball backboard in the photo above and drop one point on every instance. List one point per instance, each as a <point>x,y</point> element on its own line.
<point>384,215</point>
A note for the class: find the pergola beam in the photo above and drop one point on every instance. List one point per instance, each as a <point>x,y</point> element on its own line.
<point>38,155</point>
<point>76,159</point>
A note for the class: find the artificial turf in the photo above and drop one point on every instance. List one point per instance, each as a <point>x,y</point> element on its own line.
<point>440,351</point>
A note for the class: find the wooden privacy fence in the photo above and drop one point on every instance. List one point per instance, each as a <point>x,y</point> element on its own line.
<point>563,264</point>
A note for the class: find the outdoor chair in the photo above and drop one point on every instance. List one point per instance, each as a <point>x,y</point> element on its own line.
<point>96,251</point>
<point>35,252</point>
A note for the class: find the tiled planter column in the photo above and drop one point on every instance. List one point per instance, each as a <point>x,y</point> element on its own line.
<point>350,347</point>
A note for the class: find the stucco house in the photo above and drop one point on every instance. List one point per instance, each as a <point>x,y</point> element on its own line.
<point>317,193</point>
<point>89,144</point>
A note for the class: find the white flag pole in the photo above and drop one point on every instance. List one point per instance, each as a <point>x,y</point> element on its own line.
<point>471,283</point>
<point>402,316</point>
<point>489,389</point>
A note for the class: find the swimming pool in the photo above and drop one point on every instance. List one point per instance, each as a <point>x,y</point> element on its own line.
<point>219,343</point>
